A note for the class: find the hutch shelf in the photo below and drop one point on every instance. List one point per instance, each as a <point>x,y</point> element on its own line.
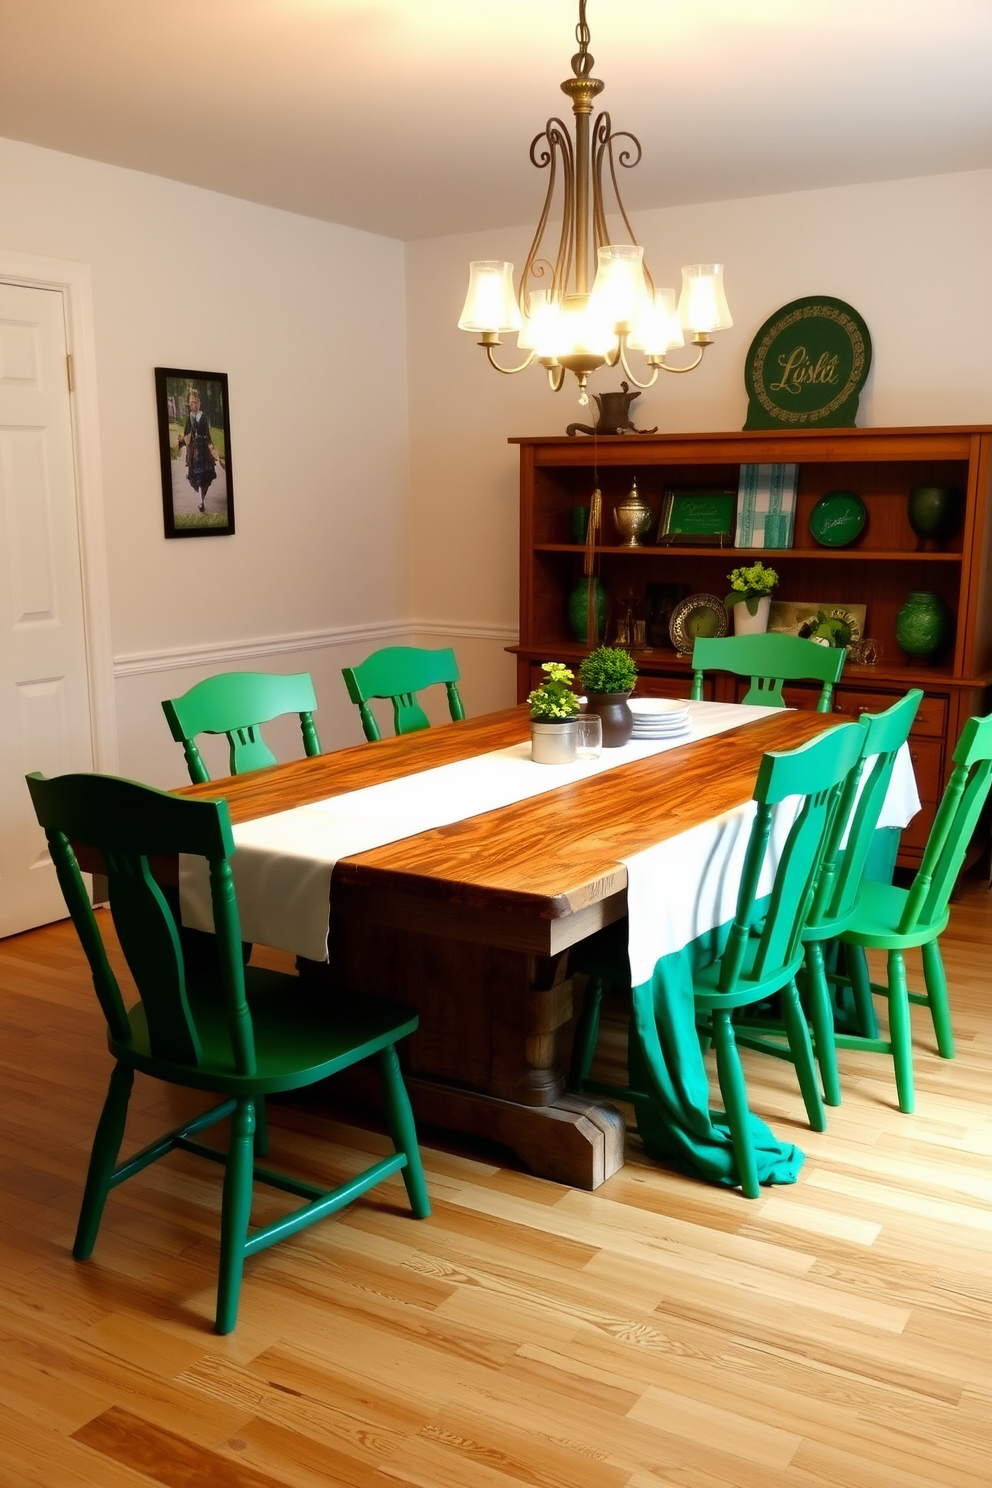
<point>879,569</point>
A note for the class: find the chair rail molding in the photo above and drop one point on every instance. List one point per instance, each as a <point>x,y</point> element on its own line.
<point>469,630</point>
<point>73,281</point>
<point>222,653</point>
<point>213,653</point>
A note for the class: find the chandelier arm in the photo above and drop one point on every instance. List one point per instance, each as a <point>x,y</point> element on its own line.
<point>558,144</point>
<point>636,380</point>
<point>507,371</point>
<point>627,160</point>
<point>689,366</point>
<point>600,133</point>
<point>556,377</point>
<point>566,243</point>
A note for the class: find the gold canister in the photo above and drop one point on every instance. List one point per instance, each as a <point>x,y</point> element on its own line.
<point>632,517</point>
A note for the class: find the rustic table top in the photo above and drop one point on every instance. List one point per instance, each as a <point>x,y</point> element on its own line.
<point>548,857</point>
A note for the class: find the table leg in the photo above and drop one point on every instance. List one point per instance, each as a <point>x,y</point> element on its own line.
<point>488,1058</point>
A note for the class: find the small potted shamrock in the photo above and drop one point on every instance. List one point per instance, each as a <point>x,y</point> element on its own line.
<point>750,598</point>
<point>553,711</point>
<point>608,675</point>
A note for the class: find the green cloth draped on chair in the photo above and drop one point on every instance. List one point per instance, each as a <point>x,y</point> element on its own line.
<point>769,660</point>
<point>737,965</point>
<point>238,1032</point>
<point>399,673</point>
<point>236,704</point>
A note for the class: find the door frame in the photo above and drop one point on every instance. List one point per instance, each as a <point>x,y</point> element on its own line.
<point>73,281</point>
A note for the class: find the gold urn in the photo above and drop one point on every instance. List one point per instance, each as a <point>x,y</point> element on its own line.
<point>632,517</point>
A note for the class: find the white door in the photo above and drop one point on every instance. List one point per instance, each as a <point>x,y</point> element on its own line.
<point>44,693</point>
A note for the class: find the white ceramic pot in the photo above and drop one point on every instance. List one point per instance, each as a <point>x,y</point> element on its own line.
<point>553,743</point>
<point>745,624</point>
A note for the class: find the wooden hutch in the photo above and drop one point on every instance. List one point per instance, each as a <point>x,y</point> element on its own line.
<point>878,570</point>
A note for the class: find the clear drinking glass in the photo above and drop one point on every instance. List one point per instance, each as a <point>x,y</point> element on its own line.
<point>588,736</point>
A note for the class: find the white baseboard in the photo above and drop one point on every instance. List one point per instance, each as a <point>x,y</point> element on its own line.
<point>225,652</point>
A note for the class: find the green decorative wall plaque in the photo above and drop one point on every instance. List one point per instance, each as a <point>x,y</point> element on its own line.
<point>807,365</point>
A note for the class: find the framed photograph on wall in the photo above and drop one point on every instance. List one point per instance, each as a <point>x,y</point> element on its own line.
<point>194,435</point>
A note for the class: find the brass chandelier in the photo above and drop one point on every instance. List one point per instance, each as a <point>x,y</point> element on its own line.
<point>561,322</point>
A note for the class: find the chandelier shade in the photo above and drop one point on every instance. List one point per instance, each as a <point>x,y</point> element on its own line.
<point>491,304</point>
<point>581,304</point>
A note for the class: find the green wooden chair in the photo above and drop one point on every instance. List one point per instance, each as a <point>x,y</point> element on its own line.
<point>764,948</point>
<point>895,920</point>
<point>769,660</point>
<point>839,888</point>
<point>238,1032</point>
<point>399,673</point>
<point>236,704</point>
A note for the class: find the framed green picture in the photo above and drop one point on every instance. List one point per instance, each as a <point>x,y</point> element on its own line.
<point>807,365</point>
<point>697,518</point>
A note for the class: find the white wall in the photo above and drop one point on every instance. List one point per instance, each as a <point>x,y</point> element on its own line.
<point>911,256</point>
<point>318,567</point>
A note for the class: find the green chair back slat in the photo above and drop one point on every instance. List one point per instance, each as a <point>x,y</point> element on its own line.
<point>236,704</point>
<point>816,772</point>
<point>954,824</point>
<point>857,814</point>
<point>128,823</point>
<point>769,660</point>
<point>399,673</point>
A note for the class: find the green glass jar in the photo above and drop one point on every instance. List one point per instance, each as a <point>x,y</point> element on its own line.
<point>923,625</point>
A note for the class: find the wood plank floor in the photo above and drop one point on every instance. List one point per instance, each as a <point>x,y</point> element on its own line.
<point>656,1332</point>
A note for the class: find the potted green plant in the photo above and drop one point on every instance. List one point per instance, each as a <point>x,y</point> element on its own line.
<point>608,675</point>
<point>750,597</point>
<point>553,710</point>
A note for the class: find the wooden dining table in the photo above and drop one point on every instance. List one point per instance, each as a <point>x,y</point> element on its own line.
<point>471,923</point>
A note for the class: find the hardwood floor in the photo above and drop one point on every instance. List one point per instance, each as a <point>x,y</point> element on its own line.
<point>655,1332</point>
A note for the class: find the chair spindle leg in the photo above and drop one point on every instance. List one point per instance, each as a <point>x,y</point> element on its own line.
<point>734,1092</point>
<point>235,1214</point>
<point>403,1131</point>
<point>103,1160</point>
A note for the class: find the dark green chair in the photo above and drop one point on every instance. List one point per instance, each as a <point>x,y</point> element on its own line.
<point>236,704</point>
<point>399,673</point>
<point>769,660</point>
<point>764,948</point>
<point>895,920</point>
<point>839,889</point>
<point>238,1032</point>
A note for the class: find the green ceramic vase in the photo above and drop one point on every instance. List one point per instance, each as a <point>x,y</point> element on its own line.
<point>577,608</point>
<point>923,625</point>
<point>932,511</point>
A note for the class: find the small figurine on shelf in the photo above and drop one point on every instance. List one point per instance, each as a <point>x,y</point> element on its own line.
<point>750,597</point>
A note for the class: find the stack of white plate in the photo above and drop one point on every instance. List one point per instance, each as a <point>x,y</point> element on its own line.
<point>660,718</point>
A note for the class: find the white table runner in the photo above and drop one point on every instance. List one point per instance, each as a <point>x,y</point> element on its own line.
<point>687,885</point>
<point>283,863</point>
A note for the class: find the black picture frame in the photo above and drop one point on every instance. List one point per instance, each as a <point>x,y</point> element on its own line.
<point>204,508</point>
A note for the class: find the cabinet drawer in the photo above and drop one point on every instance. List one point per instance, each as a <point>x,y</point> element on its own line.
<point>931,717</point>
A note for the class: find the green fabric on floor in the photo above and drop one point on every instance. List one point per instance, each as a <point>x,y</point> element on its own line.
<point>665,1061</point>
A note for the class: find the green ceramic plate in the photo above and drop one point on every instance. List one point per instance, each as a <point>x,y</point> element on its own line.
<point>837,519</point>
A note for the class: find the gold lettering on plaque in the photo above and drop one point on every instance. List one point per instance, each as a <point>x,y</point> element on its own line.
<point>799,371</point>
